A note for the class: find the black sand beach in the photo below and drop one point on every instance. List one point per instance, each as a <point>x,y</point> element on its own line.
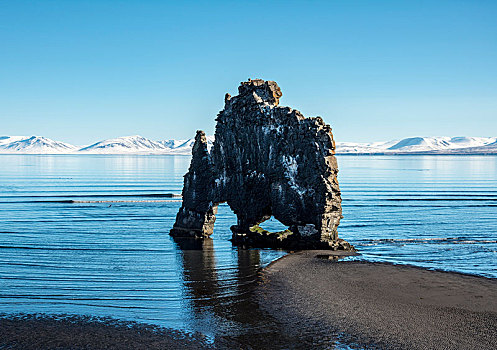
<point>318,302</point>
<point>381,305</point>
<point>38,332</point>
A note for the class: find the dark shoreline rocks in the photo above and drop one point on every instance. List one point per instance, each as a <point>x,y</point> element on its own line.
<point>260,238</point>
<point>267,160</point>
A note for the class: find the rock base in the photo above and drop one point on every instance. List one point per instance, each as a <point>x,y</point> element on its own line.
<point>187,233</point>
<point>260,238</point>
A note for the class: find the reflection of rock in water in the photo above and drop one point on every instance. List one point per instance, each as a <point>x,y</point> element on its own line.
<point>222,302</point>
<point>249,261</point>
<point>199,268</point>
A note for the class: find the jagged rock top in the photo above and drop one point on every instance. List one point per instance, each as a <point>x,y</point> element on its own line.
<point>267,91</point>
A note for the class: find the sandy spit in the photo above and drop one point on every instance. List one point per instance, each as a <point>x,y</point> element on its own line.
<point>379,305</point>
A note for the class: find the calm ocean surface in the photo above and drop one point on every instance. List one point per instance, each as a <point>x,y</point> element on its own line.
<point>89,234</point>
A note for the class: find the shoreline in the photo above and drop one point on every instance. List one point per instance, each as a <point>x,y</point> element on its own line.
<point>318,302</point>
<point>380,305</point>
<point>46,331</point>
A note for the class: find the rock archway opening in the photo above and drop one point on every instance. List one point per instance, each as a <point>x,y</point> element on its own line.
<point>273,225</point>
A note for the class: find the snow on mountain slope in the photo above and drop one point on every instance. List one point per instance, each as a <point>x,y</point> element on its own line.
<point>126,145</point>
<point>462,142</point>
<point>172,143</point>
<point>449,145</point>
<point>140,145</point>
<point>8,139</point>
<point>354,147</point>
<point>33,145</point>
<point>487,148</point>
<point>417,144</point>
<point>185,146</point>
<point>120,145</point>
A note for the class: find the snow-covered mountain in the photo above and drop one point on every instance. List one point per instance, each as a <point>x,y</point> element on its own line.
<point>125,145</point>
<point>33,145</point>
<point>185,146</point>
<point>173,143</point>
<point>141,145</point>
<point>430,145</point>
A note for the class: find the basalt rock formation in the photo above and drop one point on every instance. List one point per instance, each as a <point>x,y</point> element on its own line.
<point>267,160</point>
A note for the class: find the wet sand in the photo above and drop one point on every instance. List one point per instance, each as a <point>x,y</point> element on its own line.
<point>318,303</point>
<point>39,332</point>
<point>380,305</point>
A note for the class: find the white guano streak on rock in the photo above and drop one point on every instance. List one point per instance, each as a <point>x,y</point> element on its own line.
<point>291,170</point>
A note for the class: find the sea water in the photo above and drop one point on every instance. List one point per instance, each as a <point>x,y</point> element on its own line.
<point>88,234</point>
<point>437,212</point>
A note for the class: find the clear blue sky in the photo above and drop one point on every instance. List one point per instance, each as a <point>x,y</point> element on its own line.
<point>82,71</point>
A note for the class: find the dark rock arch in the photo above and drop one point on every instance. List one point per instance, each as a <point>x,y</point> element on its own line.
<point>266,160</point>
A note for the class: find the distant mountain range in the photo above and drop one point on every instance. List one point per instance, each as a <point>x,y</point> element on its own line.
<point>140,145</point>
<point>121,145</point>
<point>423,145</point>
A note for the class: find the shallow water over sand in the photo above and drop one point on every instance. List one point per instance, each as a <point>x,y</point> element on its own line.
<point>89,235</point>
